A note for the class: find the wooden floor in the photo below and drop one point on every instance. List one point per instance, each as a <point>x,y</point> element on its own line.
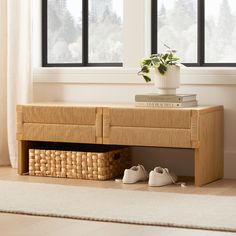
<point>17,225</point>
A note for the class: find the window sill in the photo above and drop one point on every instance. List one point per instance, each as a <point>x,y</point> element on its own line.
<point>88,75</point>
<point>208,75</point>
<point>114,75</point>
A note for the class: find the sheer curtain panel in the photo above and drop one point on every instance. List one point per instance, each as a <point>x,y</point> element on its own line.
<point>16,66</point>
<point>3,84</point>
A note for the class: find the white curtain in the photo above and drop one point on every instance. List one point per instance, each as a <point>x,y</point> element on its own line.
<point>3,84</point>
<point>18,66</point>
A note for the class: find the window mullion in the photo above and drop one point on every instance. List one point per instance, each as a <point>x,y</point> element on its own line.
<point>201,32</point>
<point>44,33</point>
<point>85,15</point>
<point>154,26</point>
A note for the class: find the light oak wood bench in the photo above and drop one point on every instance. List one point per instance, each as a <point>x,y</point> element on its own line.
<point>197,128</point>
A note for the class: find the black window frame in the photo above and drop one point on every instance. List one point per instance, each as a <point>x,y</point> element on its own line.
<point>85,40</point>
<point>200,36</point>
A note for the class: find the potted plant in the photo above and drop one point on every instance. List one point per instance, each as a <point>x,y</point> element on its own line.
<point>167,71</point>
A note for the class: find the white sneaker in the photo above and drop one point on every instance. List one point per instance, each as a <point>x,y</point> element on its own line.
<point>160,177</point>
<point>135,174</point>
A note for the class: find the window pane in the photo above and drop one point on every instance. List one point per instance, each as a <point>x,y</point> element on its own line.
<point>177,28</point>
<point>105,31</point>
<point>64,31</point>
<point>220,31</point>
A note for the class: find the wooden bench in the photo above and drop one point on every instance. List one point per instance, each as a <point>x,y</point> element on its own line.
<point>197,128</point>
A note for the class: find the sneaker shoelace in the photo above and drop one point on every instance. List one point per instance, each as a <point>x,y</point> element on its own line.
<point>144,171</point>
<point>182,184</point>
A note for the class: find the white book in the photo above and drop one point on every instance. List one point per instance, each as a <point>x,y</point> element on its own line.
<point>154,97</point>
<point>167,104</point>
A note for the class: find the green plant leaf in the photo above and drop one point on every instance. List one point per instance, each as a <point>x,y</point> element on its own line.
<point>165,56</point>
<point>146,61</point>
<point>175,59</point>
<point>170,56</point>
<point>162,69</point>
<point>155,61</point>
<point>145,69</point>
<point>146,78</point>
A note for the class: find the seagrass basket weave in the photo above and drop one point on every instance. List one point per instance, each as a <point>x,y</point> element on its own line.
<point>76,164</point>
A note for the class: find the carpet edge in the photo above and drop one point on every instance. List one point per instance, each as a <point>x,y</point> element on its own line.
<point>144,223</point>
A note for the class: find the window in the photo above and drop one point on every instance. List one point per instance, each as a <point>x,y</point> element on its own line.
<point>82,33</point>
<point>202,31</point>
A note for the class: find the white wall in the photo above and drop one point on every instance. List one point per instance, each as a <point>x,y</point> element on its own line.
<point>213,86</point>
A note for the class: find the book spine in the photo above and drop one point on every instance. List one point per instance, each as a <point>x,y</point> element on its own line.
<point>163,99</point>
<point>166,104</point>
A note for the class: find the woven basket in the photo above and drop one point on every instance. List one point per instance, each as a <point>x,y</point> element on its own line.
<point>81,165</point>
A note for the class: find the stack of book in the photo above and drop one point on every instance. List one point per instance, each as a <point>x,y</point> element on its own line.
<point>158,100</point>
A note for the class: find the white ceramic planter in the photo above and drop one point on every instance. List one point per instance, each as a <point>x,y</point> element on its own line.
<point>169,82</point>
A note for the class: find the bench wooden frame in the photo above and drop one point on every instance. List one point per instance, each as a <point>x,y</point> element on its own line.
<point>198,128</point>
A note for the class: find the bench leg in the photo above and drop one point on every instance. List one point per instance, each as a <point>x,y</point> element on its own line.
<point>209,157</point>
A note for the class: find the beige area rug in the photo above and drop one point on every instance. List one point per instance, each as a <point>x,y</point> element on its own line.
<point>123,206</point>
